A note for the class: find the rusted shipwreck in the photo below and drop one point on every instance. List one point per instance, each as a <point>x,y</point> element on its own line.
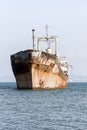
<point>37,69</point>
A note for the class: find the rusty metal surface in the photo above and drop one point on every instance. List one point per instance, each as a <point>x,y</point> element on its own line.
<point>47,79</point>
<point>38,70</point>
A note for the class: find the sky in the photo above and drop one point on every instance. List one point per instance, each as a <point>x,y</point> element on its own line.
<point>65,18</point>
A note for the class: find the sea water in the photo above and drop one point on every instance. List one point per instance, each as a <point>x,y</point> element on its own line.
<point>64,109</point>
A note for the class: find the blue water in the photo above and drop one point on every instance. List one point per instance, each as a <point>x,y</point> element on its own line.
<point>43,110</point>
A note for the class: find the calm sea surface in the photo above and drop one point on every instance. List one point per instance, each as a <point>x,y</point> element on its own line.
<point>43,110</point>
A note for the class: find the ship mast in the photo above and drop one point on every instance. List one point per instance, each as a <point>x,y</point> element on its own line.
<point>48,40</point>
<point>33,37</point>
<point>46,31</point>
<point>47,36</point>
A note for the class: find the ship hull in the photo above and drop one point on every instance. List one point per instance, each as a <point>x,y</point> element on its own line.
<point>37,71</point>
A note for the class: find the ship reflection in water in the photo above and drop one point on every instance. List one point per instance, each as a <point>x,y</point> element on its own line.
<point>38,69</point>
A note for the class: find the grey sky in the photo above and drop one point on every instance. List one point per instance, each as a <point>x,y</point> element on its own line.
<point>66,18</point>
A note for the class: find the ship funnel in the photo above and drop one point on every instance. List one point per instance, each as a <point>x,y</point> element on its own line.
<point>33,37</point>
